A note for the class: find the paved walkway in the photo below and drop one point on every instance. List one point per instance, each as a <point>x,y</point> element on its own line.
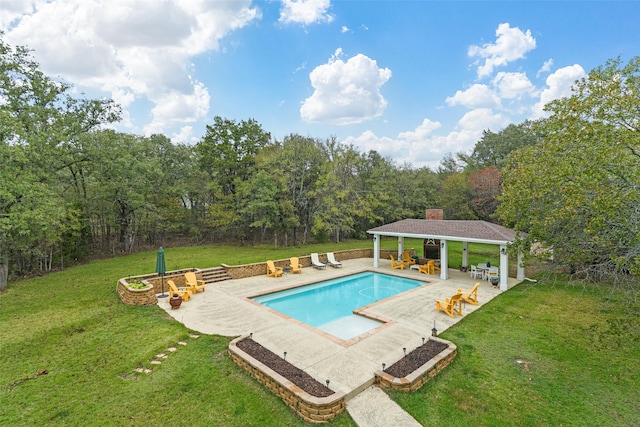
<point>225,309</point>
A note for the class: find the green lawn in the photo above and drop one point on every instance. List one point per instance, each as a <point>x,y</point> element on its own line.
<point>545,354</point>
<point>72,325</point>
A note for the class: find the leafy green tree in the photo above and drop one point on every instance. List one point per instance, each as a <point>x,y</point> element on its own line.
<point>39,120</point>
<point>227,153</point>
<point>493,148</point>
<point>577,191</point>
<point>454,197</point>
<point>301,160</point>
<point>485,186</point>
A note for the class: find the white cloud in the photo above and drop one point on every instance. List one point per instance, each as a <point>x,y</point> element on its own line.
<point>305,11</point>
<point>559,85</point>
<point>512,85</point>
<point>346,92</point>
<point>546,67</point>
<point>421,132</point>
<point>134,50</point>
<point>344,29</point>
<point>478,95</point>
<point>511,44</point>
<point>420,147</point>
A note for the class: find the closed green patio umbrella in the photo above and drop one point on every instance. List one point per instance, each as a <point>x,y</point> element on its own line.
<point>161,268</point>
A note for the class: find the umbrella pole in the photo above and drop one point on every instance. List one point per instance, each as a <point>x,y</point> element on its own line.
<point>162,295</point>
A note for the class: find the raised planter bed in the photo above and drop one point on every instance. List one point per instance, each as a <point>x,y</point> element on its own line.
<point>311,408</point>
<point>423,373</point>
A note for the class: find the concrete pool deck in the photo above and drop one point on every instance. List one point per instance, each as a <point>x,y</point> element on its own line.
<point>225,309</point>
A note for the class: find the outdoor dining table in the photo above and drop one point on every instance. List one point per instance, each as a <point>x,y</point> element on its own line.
<point>484,270</point>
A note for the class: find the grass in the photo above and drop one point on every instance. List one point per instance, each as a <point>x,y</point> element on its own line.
<point>538,355</point>
<point>72,325</point>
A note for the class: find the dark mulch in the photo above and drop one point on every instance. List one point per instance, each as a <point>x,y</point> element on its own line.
<point>284,368</point>
<point>416,358</point>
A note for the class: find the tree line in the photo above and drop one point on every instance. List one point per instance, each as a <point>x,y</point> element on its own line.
<point>70,187</point>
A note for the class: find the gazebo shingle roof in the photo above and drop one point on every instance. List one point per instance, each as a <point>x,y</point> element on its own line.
<point>459,230</point>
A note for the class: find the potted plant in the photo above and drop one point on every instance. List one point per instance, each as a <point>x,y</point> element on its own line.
<point>175,301</point>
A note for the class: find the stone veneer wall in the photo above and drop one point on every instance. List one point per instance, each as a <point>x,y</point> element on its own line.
<point>260,268</point>
<point>148,296</point>
<point>312,409</point>
<point>422,375</point>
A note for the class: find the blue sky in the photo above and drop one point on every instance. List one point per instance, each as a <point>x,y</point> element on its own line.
<point>413,80</point>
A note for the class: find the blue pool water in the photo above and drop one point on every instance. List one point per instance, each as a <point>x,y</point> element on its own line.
<point>329,305</point>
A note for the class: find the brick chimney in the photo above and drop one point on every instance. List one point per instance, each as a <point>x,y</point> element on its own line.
<point>434,214</point>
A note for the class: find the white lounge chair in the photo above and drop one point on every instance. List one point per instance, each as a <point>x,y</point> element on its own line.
<point>331,259</point>
<point>315,261</point>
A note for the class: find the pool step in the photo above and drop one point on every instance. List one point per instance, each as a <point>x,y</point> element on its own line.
<point>215,274</point>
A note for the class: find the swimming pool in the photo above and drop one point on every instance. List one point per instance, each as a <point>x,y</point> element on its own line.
<point>329,305</point>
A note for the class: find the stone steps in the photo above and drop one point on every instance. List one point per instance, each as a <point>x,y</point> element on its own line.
<point>215,274</point>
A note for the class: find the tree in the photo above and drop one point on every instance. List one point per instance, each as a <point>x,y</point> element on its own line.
<point>38,121</point>
<point>227,153</point>
<point>493,148</point>
<point>485,186</point>
<point>577,191</point>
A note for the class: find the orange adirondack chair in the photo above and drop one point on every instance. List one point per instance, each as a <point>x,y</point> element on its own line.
<point>450,305</point>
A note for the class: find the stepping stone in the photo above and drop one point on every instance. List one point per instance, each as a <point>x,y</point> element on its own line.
<point>161,355</point>
<point>172,349</point>
<point>139,370</point>
<point>194,336</point>
<point>156,362</point>
<point>147,371</point>
<point>182,343</point>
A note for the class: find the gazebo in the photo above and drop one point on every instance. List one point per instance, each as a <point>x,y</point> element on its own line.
<point>451,231</point>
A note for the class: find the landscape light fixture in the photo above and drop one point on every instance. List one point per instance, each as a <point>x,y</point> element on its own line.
<point>434,331</point>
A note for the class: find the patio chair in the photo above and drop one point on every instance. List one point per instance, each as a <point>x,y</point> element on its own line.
<point>273,271</point>
<point>471,296</point>
<point>193,283</point>
<point>427,268</point>
<point>294,265</point>
<point>449,305</point>
<point>183,292</point>
<point>331,259</point>
<point>493,274</point>
<point>407,260</point>
<point>475,273</point>
<point>315,261</point>
<point>396,264</point>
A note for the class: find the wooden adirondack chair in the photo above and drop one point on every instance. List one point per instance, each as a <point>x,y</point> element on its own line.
<point>450,305</point>
<point>428,268</point>
<point>273,271</point>
<point>471,296</point>
<point>396,264</point>
<point>407,260</point>
<point>193,283</point>
<point>183,292</point>
<point>294,265</point>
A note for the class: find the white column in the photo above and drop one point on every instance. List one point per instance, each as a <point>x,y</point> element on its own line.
<point>520,274</point>
<point>504,268</point>
<point>376,251</point>
<point>465,254</point>
<point>400,246</point>
<point>444,260</point>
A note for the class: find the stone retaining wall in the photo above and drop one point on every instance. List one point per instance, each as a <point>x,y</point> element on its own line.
<point>422,375</point>
<point>260,268</point>
<point>312,409</point>
<point>131,296</point>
